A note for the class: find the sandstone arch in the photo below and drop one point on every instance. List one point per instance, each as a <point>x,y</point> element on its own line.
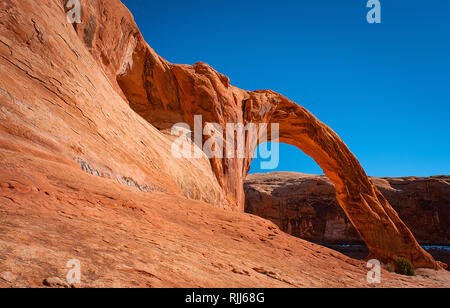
<point>164,94</point>
<point>201,90</point>
<point>376,221</point>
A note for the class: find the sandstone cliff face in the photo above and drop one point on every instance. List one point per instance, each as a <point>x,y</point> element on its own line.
<point>165,94</point>
<point>88,97</point>
<point>57,103</point>
<point>423,203</point>
<point>306,206</point>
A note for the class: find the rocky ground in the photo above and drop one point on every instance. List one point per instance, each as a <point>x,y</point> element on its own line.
<point>51,213</point>
<point>87,173</point>
<point>306,206</point>
<point>360,251</point>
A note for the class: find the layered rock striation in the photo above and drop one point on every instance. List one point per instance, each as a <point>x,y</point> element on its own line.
<point>165,94</point>
<point>306,206</point>
<point>95,97</point>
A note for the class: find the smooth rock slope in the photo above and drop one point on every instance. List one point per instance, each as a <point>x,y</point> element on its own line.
<point>87,174</point>
<point>165,94</point>
<point>52,213</point>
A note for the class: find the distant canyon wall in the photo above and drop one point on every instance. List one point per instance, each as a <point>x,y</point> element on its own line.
<point>306,206</point>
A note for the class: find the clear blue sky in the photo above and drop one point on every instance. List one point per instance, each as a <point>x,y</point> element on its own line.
<point>384,88</point>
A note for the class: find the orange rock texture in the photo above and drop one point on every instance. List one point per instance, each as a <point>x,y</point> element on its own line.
<point>83,110</point>
<point>52,212</point>
<point>305,205</point>
<point>165,94</point>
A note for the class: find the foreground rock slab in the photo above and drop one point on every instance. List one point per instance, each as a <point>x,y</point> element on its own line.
<point>86,175</point>
<point>165,94</point>
<point>52,213</point>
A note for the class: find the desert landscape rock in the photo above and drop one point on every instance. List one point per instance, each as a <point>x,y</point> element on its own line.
<point>306,206</point>
<point>87,171</point>
<point>127,238</point>
<point>165,94</point>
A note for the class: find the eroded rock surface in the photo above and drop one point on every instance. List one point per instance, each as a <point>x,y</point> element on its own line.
<point>306,206</point>
<point>52,213</point>
<point>86,175</point>
<point>165,94</point>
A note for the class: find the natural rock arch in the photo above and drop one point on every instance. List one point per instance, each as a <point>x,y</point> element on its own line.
<point>376,221</point>
<point>200,90</point>
<point>164,94</point>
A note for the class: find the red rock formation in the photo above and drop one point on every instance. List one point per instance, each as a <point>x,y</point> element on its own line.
<point>63,114</point>
<point>306,206</point>
<point>423,203</point>
<point>165,94</point>
<point>51,212</point>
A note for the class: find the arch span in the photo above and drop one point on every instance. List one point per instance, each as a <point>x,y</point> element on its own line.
<point>369,211</point>
<point>164,94</point>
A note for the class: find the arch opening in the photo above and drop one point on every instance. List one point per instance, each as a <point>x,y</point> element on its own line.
<point>165,93</point>
<point>300,199</point>
<point>370,213</point>
<point>291,159</point>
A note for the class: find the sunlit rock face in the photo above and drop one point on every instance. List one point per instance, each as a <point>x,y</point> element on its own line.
<point>91,99</point>
<point>165,94</point>
<point>306,206</point>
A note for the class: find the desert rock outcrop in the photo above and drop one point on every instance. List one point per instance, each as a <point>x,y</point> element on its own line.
<point>306,206</point>
<point>165,94</point>
<point>88,173</point>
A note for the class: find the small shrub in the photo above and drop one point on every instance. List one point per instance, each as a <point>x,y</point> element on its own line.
<point>404,267</point>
